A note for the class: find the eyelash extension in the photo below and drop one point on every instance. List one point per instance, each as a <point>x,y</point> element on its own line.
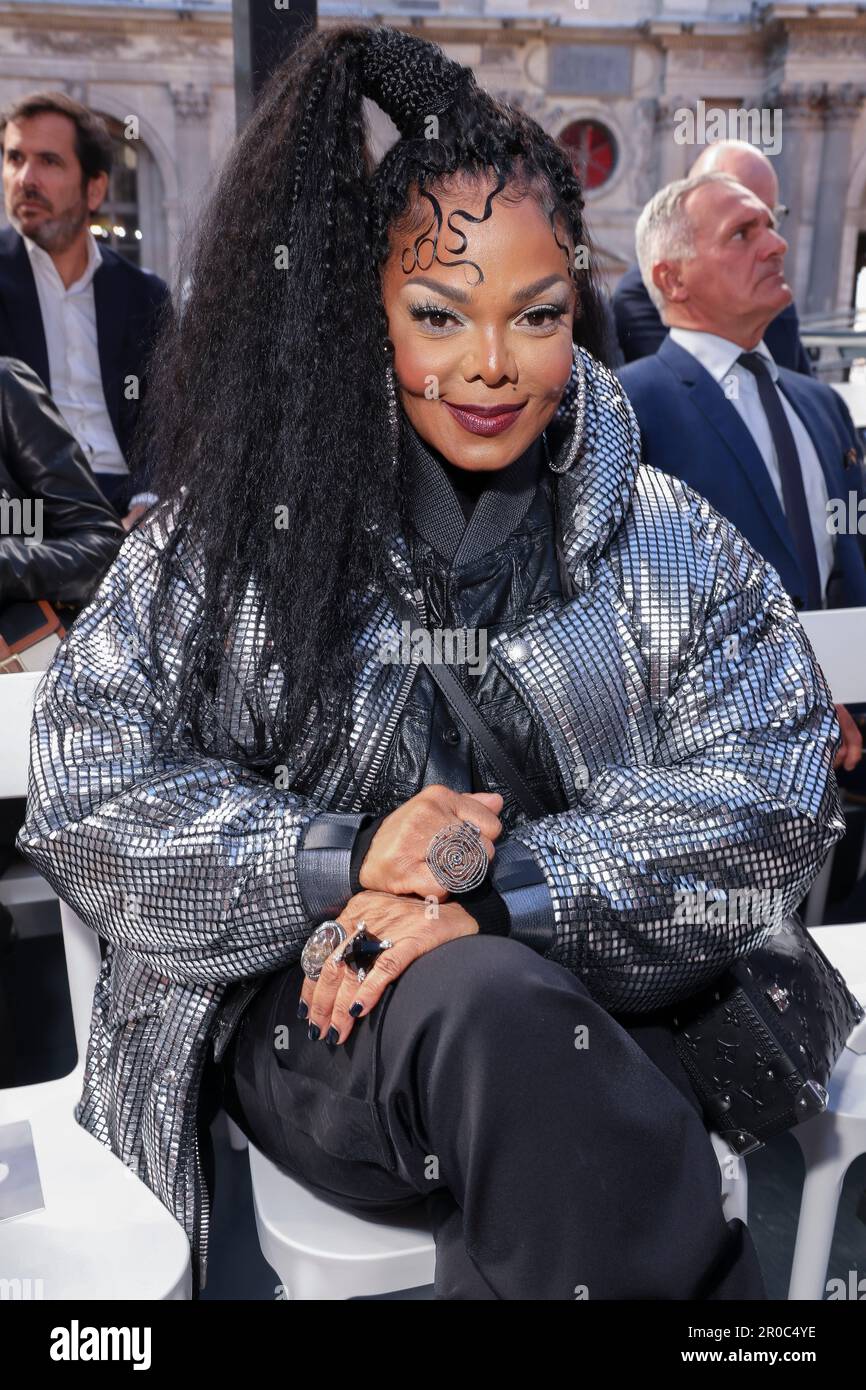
<point>420,311</point>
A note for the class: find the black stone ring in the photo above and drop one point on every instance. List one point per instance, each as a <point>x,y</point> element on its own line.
<point>360,951</point>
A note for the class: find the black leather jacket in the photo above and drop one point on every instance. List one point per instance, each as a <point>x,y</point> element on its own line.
<point>40,459</point>
<point>486,576</point>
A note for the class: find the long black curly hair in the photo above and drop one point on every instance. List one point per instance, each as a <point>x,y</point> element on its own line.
<point>269,390</point>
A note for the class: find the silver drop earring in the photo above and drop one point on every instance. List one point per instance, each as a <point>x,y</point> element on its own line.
<point>568,452</point>
<point>393,408</point>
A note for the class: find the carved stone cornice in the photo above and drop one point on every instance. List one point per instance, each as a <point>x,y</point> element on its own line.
<point>191,102</point>
<point>821,42</point>
<point>845,102</point>
<point>83,43</point>
<point>798,100</point>
<point>836,104</point>
<point>743,54</point>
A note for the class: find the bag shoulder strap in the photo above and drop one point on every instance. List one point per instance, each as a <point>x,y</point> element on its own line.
<point>473,721</point>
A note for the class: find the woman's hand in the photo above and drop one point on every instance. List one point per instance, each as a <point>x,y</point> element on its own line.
<point>414,929</point>
<point>851,748</point>
<point>133,515</point>
<point>395,861</point>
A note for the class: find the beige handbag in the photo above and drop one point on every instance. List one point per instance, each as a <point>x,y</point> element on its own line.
<point>30,633</point>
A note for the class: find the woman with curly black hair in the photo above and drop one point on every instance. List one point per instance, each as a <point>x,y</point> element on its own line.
<point>430,967</point>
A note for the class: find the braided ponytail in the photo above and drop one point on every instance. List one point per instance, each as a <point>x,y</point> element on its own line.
<point>412,80</point>
<point>268,398</point>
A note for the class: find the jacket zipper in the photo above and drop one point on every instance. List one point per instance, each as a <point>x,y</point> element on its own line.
<point>201,1208</point>
<point>396,710</point>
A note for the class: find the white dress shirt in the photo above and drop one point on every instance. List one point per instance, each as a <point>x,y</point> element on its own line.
<point>69,321</point>
<point>719,357</point>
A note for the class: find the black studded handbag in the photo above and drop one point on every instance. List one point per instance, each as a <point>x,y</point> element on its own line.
<point>760,1043</point>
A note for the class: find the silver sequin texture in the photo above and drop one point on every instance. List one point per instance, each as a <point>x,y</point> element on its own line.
<point>691,763</point>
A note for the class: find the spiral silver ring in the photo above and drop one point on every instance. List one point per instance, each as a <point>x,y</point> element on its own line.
<point>457,858</point>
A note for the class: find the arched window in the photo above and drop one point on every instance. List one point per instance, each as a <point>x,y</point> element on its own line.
<point>117,223</point>
<point>593,151</point>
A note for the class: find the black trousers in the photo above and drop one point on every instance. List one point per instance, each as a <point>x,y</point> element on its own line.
<point>558,1153</point>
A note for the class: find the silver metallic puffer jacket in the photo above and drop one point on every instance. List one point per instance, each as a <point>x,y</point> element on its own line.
<point>691,727</point>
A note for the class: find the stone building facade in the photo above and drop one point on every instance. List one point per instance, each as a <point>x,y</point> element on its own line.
<point>632,86</point>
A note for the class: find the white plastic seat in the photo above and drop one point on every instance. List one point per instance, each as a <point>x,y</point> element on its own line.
<point>321,1252</point>
<point>20,883</point>
<point>831,1141</point>
<point>101,1233</point>
<point>838,638</point>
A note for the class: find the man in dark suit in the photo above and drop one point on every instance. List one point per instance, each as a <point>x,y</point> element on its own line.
<point>771,449</point>
<point>80,315</point>
<point>639,328</point>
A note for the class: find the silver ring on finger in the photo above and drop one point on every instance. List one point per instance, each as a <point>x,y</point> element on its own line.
<point>340,952</point>
<point>456,856</point>
<point>319,945</point>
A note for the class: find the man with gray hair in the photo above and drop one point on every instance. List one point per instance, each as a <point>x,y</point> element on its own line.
<point>768,447</point>
<point>640,329</point>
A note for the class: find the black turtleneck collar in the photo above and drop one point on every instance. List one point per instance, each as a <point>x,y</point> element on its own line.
<point>464,513</point>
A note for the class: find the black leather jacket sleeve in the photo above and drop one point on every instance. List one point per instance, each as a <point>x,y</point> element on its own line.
<point>62,558</point>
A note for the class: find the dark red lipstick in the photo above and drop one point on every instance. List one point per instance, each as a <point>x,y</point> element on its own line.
<point>485,419</point>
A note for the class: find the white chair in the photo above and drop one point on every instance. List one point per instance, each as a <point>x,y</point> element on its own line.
<point>20,884</point>
<point>101,1232</point>
<point>838,638</point>
<point>321,1252</point>
<point>853,393</point>
<point>831,1141</point>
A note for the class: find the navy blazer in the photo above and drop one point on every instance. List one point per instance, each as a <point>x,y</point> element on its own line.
<point>640,331</point>
<point>129,304</point>
<point>690,429</point>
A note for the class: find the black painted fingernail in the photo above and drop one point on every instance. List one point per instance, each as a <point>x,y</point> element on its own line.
<point>302,1009</point>
<point>332,1035</point>
<point>356,1009</point>
<point>313,1032</point>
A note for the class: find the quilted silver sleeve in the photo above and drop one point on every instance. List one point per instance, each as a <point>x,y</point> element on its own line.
<point>666,872</point>
<point>189,861</point>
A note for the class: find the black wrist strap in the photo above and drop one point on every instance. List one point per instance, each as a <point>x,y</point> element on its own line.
<point>470,716</point>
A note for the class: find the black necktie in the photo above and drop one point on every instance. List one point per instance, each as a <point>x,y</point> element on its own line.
<point>793,492</point>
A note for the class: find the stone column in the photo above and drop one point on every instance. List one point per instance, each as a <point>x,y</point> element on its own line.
<point>192,148</point>
<point>673,160</point>
<point>843,105</point>
<point>801,106</point>
<point>151,215</point>
<point>175,229</point>
<point>643,152</point>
